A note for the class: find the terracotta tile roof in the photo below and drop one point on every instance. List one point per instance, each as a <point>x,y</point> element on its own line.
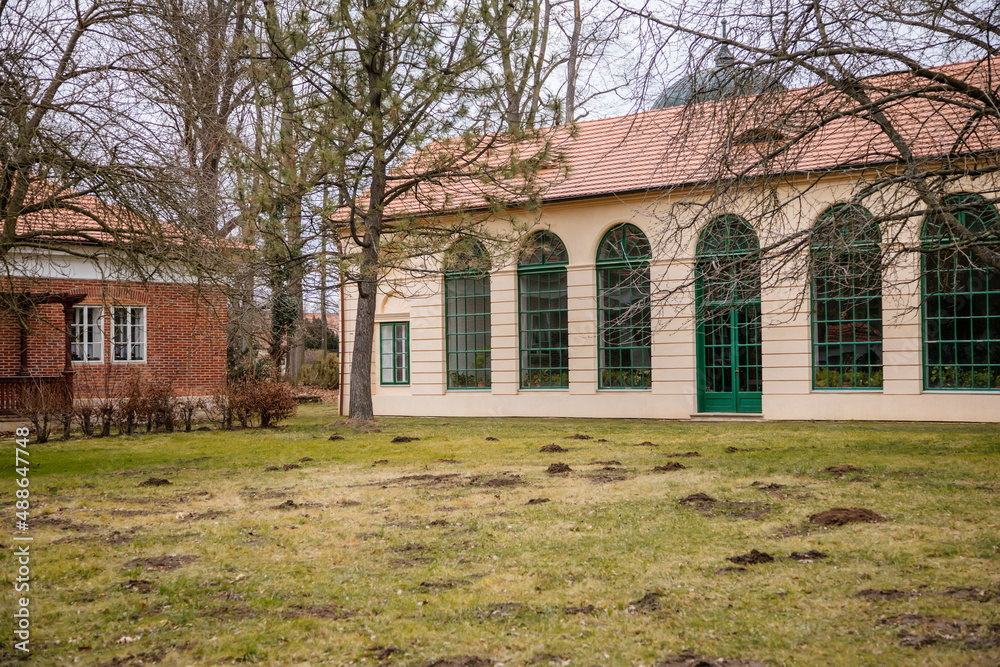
<point>659,149</point>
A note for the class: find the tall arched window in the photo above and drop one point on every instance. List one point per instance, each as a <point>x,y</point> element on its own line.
<point>727,290</point>
<point>623,316</point>
<point>961,313</point>
<point>846,269</point>
<point>467,315</point>
<point>543,318</point>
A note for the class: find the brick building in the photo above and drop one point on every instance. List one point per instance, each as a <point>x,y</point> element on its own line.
<point>72,321</point>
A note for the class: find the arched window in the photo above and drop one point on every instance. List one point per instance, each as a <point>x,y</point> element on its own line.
<point>542,304</point>
<point>846,269</point>
<point>961,312</point>
<point>623,316</point>
<point>467,315</point>
<point>727,290</point>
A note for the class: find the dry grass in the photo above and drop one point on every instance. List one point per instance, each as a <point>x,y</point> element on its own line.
<point>430,546</point>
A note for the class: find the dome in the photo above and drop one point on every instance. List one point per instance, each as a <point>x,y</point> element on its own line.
<point>726,79</point>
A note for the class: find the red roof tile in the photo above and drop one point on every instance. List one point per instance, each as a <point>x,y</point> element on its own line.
<point>659,149</point>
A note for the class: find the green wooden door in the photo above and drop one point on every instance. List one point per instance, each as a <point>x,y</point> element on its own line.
<point>728,327</point>
<point>729,362</point>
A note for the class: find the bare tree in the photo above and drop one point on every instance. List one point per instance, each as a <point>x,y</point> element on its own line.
<point>790,80</point>
<point>83,165</point>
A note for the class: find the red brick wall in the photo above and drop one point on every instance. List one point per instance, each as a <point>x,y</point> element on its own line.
<point>185,337</point>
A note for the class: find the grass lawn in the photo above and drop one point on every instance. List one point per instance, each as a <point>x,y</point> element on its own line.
<point>376,552</point>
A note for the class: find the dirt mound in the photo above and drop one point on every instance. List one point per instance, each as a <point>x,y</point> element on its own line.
<point>972,593</point>
<point>753,558</point>
<point>647,603</point>
<point>581,609</point>
<point>155,481</point>
<point>236,612</point>
<point>690,660</point>
<point>885,594</point>
<point>447,461</point>
<point>497,481</point>
<point>647,443</point>
<point>553,448</point>
<point>330,612</point>
<point>460,661</point>
<point>271,468</point>
<point>138,585</point>
<point>287,505</point>
<point>380,462</point>
<point>424,479</point>
<point>335,438</point>
<point>760,486</point>
<point>682,455</point>
<point>730,570</point>
<point>578,436</point>
<point>162,563</point>
<point>490,438</point>
<point>383,652</point>
<point>932,630</point>
<point>612,462</point>
<point>733,450</point>
<point>557,468</point>
<point>841,469</point>
<point>404,438</point>
<point>840,516</point>
<point>290,466</point>
<point>673,465</point>
<point>537,501</point>
<point>612,475</point>
<point>444,584</point>
<point>203,516</point>
<point>696,498</point>
<point>812,554</point>
<point>305,459</point>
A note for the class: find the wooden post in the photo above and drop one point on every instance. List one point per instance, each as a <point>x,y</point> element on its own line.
<point>68,366</point>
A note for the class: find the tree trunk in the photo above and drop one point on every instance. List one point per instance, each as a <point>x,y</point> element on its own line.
<point>571,63</point>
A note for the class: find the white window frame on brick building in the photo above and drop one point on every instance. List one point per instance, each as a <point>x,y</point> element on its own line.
<point>88,334</point>
<point>128,334</point>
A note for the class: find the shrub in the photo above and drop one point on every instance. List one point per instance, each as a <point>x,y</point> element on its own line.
<point>44,406</point>
<point>273,401</point>
<point>186,409</point>
<point>249,401</point>
<point>323,373</point>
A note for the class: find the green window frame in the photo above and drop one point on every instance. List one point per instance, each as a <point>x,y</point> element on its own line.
<point>394,350</point>
<point>961,300</point>
<point>846,269</point>
<point>467,317</point>
<point>624,324</point>
<point>543,312</point>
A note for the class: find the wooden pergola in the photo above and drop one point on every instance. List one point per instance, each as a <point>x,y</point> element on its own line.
<point>14,389</point>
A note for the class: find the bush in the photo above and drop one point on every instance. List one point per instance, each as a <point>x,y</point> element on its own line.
<point>45,406</point>
<point>249,401</point>
<point>324,373</point>
<point>274,402</point>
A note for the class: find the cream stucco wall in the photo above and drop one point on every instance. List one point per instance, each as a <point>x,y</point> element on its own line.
<point>786,331</point>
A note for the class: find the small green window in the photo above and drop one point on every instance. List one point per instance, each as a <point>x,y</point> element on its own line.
<point>623,311</point>
<point>961,311</point>
<point>467,316</point>
<point>544,319</point>
<point>395,352</point>
<point>846,268</point>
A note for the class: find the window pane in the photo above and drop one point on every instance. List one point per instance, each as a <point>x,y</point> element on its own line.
<point>623,316</point>
<point>467,331</point>
<point>961,312</point>
<point>544,330</point>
